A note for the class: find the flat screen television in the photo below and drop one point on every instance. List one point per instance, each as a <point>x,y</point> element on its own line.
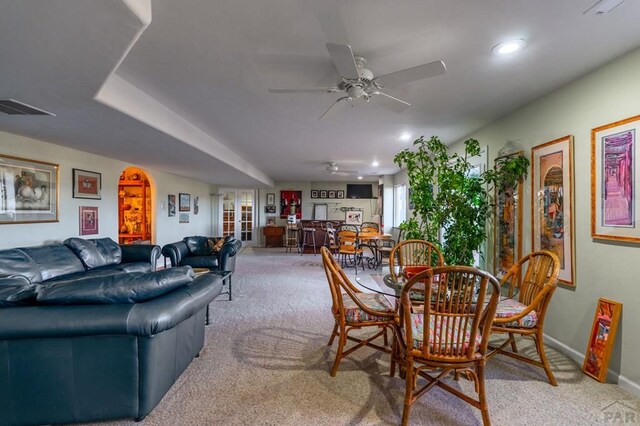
<point>359,190</point>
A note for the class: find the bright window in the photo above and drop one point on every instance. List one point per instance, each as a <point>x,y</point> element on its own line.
<point>399,204</point>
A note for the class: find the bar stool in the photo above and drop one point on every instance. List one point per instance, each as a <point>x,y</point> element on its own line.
<point>308,239</point>
<point>292,239</point>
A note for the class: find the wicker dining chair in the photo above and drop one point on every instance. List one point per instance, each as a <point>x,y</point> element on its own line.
<point>448,335</point>
<point>523,313</point>
<point>353,309</point>
<point>369,227</point>
<point>413,253</point>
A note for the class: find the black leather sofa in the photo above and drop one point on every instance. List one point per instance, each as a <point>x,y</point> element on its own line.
<point>88,331</point>
<point>196,252</point>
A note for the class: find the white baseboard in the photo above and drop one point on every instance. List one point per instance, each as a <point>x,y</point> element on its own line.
<point>612,376</point>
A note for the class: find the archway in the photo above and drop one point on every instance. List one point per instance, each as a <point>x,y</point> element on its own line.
<point>135,215</point>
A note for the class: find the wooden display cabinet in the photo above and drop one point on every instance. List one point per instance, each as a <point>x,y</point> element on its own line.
<point>134,213</point>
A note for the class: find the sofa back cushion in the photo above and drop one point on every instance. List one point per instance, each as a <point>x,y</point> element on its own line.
<point>198,246</point>
<point>54,260</point>
<point>95,253</point>
<point>114,289</point>
<point>17,262</point>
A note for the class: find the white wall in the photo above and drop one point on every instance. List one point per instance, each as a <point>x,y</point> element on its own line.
<point>603,269</point>
<point>167,229</point>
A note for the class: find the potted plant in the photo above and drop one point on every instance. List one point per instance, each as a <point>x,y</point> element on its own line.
<point>448,200</point>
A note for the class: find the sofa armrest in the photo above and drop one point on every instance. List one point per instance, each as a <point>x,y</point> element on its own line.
<point>140,253</point>
<point>175,252</point>
<point>227,255</point>
<point>142,319</point>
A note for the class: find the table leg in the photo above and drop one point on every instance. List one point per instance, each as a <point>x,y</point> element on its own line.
<point>206,321</point>
<point>229,278</point>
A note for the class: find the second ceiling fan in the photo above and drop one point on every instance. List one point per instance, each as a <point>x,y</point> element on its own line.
<point>357,82</point>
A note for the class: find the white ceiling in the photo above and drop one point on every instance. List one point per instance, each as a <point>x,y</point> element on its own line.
<point>182,85</point>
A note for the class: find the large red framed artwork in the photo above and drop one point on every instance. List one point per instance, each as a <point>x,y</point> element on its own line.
<point>290,204</point>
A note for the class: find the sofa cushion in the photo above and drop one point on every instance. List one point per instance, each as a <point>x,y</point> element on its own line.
<point>215,244</point>
<point>54,260</point>
<point>17,262</point>
<point>17,290</point>
<point>198,246</point>
<point>115,289</point>
<point>95,253</point>
<point>209,261</point>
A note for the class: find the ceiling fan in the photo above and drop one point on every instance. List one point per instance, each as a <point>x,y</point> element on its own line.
<point>334,170</point>
<point>358,82</point>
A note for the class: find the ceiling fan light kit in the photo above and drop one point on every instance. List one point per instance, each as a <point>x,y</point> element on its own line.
<point>358,82</point>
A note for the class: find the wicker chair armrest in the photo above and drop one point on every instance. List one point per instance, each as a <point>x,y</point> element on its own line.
<point>356,299</point>
<point>535,302</point>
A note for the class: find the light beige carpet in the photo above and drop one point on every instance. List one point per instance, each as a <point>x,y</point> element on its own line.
<point>266,362</point>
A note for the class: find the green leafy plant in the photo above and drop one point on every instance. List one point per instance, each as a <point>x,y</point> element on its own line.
<point>448,198</point>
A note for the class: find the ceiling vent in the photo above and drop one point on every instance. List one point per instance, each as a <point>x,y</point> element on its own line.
<point>603,6</point>
<point>13,107</point>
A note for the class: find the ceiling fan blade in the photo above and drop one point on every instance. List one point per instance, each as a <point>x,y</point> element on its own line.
<point>377,92</point>
<point>342,58</point>
<point>307,90</point>
<point>324,116</point>
<point>419,72</point>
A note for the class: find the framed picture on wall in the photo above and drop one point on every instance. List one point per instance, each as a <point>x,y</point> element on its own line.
<point>184,218</point>
<point>171,202</point>
<point>28,190</point>
<point>269,209</point>
<point>314,193</point>
<point>614,164</point>
<point>353,217</point>
<point>603,334</point>
<point>331,194</point>
<point>271,199</point>
<point>184,202</point>
<point>323,193</point>
<point>340,193</point>
<point>87,184</point>
<point>552,203</point>
<point>88,220</point>
<point>320,211</point>
<point>291,204</point>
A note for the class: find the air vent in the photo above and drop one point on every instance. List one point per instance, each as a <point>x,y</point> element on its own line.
<point>13,107</point>
<point>603,6</point>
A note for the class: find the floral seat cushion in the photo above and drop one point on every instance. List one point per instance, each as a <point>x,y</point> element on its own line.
<point>417,329</point>
<point>373,301</point>
<point>510,307</point>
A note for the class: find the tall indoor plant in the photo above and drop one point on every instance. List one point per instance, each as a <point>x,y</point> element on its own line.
<point>448,199</point>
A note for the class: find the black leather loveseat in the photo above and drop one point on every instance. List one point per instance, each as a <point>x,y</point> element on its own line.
<point>197,252</point>
<point>88,331</point>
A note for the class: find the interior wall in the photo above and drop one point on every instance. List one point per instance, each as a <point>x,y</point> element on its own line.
<point>603,269</point>
<point>166,229</point>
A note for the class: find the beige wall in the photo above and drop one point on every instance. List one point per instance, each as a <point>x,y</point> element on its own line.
<point>603,269</point>
<point>166,229</point>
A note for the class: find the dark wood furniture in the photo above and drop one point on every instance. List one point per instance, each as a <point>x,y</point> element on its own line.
<point>273,236</point>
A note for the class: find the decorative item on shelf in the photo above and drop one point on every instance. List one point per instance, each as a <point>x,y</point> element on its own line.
<point>124,229</point>
<point>122,176</point>
<point>126,207</point>
<point>135,176</point>
<point>122,193</point>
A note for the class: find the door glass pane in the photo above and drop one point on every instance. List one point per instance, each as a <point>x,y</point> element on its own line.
<point>228,214</point>
<point>246,216</point>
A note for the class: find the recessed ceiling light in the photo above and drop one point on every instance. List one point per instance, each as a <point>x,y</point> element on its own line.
<point>510,46</point>
<point>375,163</point>
<point>405,136</point>
<point>359,177</point>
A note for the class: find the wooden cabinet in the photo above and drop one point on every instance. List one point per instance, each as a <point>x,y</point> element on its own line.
<point>134,212</point>
<point>273,236</point>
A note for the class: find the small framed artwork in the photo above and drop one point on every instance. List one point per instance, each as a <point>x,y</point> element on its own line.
<point>290,204</point>
<point>320,211</point>
<point>353,217</point>
<point>184,202</point>
<point>28,190</point>
<point>603,334</point>
<point>323,194</point>
<point>508,222</point>
<point>331,194</point>
<point>269,209</point>
<point>87,184</point>
<point>614,201</point>
<point>184,218</point>
<point>271,221</point>
<point>88,220</point>
<point>552,203</point>
<point>340,193</point>
<point>196,206</point>
<point>271,199</point>
<point>171,202</point>
<point>314,193</point>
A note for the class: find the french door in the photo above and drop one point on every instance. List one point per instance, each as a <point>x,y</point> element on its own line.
<point>237,214</point>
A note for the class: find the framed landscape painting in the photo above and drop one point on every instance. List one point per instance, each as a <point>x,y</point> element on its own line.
<point>614,200</point>
<point>552,203</point>
<point>184,202</point>
<point>28,190</point>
